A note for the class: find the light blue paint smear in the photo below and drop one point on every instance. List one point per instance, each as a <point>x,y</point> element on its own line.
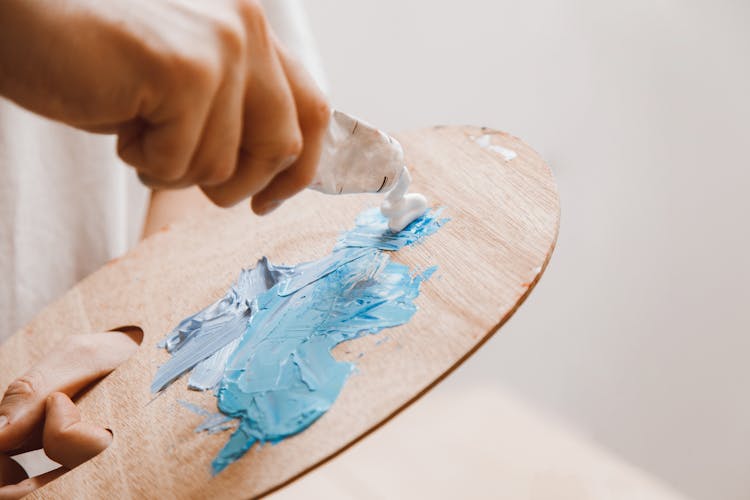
<point>372,231</point>
<point>207,374</point>
<point>266,346</point>
<point>200,339</point>
<point>214,422</point>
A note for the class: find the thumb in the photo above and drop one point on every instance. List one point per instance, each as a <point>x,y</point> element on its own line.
<point>78,361</point>
<point>21,409</point>
<point>67,440</point>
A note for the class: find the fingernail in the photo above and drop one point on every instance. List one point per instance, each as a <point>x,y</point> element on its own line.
<point>3,421</point>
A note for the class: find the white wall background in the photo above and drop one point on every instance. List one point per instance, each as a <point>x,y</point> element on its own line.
<point>638,334</point>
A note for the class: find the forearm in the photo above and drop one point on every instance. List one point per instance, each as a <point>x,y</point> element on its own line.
<point>168,207</point>
<point>20,21</point>
<point>60,60</point>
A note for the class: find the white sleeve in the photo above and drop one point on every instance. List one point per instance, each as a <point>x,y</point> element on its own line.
<point>290,23</point>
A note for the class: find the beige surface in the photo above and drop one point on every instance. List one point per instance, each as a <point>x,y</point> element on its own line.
<point>503,228</point>
<point>482,444</point>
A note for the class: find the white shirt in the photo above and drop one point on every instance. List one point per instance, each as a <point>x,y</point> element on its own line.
<point>68,204</point>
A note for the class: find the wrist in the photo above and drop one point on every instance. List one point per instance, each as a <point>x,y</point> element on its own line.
<point>28,29</point>
<point>14,22</point>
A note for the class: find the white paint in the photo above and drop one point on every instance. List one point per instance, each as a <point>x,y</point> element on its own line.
<point>400,207</point>
<point>359,158</point>
<point>485,141</point>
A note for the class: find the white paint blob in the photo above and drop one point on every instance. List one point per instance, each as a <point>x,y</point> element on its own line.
<point>485,141</point>
<point>358,158</point>
<point>402,208</point>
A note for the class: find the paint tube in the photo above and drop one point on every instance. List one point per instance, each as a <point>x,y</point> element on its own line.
<point>357,158</point>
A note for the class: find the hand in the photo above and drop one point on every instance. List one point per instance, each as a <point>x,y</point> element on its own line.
<point>198,93</point>
<point>36,410</point>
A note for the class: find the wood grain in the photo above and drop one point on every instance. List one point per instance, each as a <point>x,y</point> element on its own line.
<point>504,222</point>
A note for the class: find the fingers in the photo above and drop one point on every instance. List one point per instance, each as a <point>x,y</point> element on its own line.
<point>190,109</point>
<point>72,365</point>
<point>161,150</point>
<point>10,472</point>
<point>215,160</point>
<point>234,115</point>
<point>186,89</point>
<point>313,115</point>
<point>67,440</point>
<point>271,138</point>
<point>20,490</point>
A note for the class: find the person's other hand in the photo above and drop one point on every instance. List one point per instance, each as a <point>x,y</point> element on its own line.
<point>199,93</point>
<point>36,410</point>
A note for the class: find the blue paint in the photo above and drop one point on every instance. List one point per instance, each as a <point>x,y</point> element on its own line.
<point>266,346</point>
<point>207,374</point>
<point>282,377</point>
<point>371,231</point>
<point>200,339</point>
<point>194,408</point>
<point>308,272</point>
<point>213,423</point>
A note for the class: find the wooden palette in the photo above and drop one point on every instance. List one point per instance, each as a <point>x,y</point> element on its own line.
<point>504,221</point>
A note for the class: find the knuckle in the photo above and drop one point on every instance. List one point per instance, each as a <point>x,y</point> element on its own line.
<point>251,10</point>
<point>282,153</point>
<point>201,72</point>
<point>292,147</point>
<point>319,112</point>
<point>192,72</point>
<point>218,173</point>
<point>254,19</point>
<point>25,387</point>
<point>283,161</point>
<point>232,38</point>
